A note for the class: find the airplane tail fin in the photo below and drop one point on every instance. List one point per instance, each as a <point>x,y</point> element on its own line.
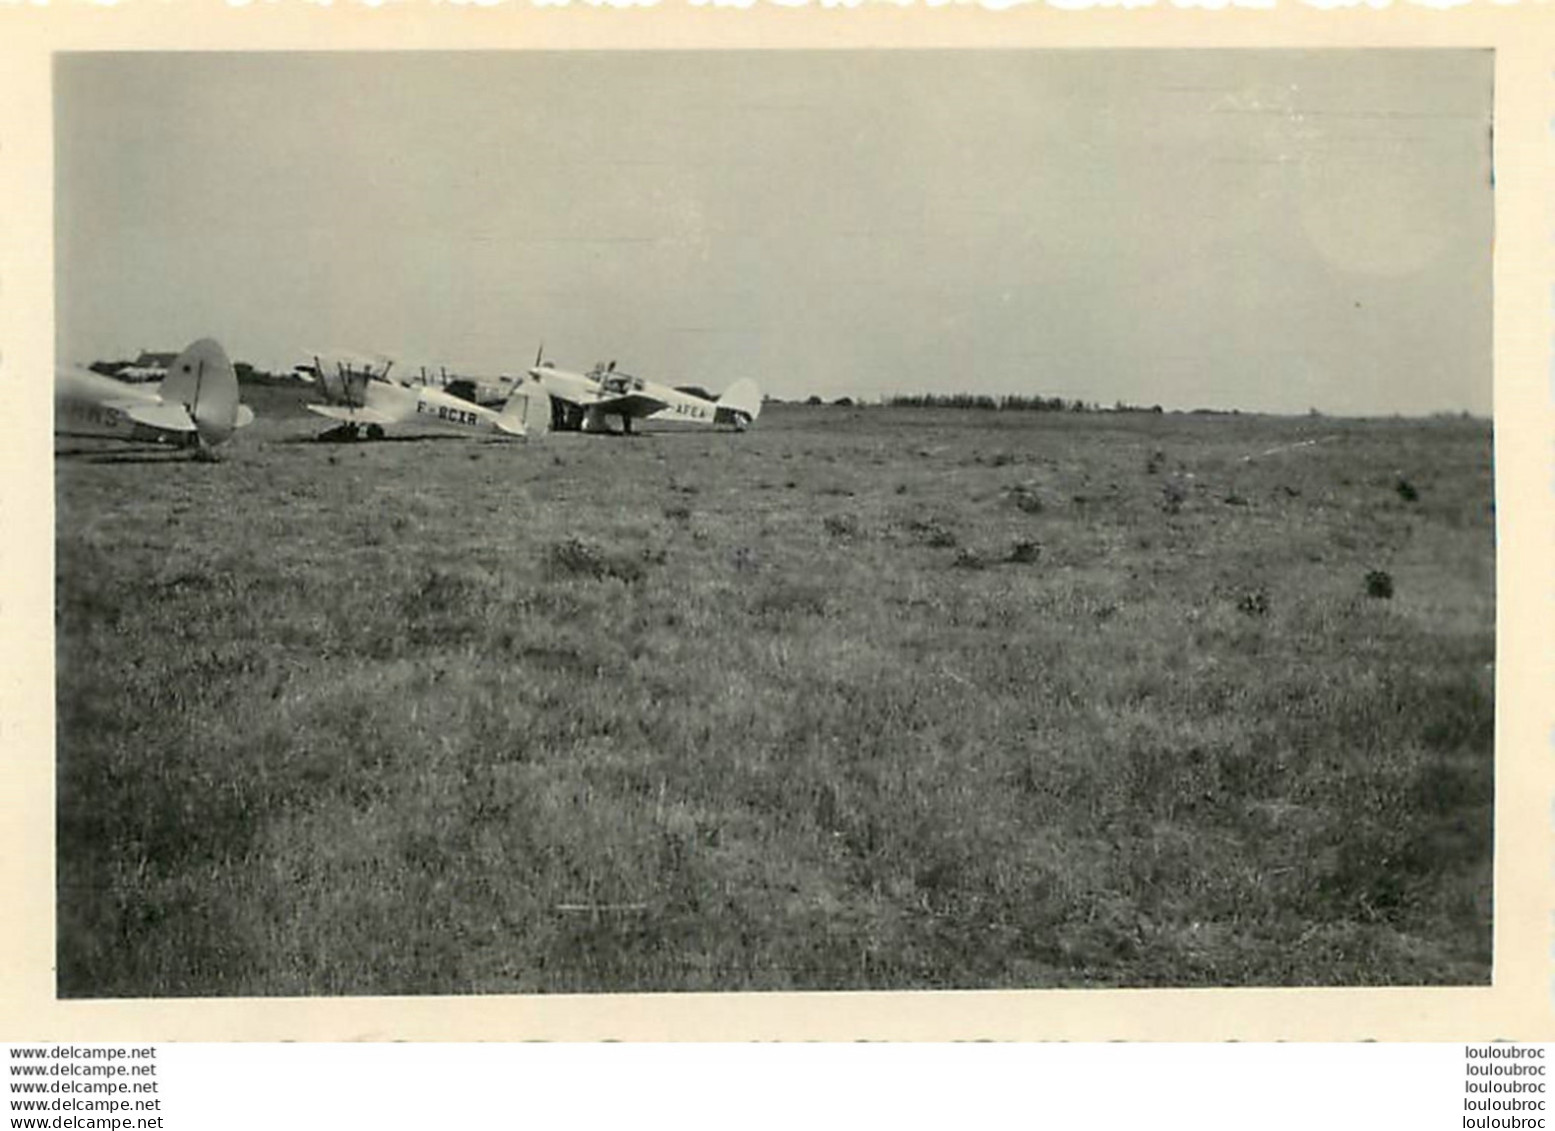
<point>203,380</point>
<point>740,403</point>
<point>527,411</point>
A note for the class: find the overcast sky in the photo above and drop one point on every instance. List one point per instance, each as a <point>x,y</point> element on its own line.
<point>1263,230</point>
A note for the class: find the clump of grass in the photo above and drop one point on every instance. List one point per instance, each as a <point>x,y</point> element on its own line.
<point>968,558</point>
<point>1406,490</point>
<point>1379,584</point>
<point>440,608</point>
<point>841,525</point>
<point>1254,603</point>
<point>576,557</point>
<point>1025,552</point>
<point>677,513</point>
<point>1026,498</point>
<point>1174,492</point>
<point>932,534</point>
<point>789,598</point>
<point>442,590</point>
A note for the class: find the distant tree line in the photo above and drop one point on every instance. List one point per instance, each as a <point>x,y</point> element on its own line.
<point>1009,403</point>
<point>246,373</point>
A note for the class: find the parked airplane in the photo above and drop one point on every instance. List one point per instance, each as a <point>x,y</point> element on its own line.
<point>586,401</point>
<point>196,404</point>
<point>360,395</point>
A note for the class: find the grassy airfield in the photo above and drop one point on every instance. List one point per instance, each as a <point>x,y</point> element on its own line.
<point>862,699</point>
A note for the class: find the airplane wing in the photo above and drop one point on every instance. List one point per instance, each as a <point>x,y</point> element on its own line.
<point>351,414</point>
<point>571,395</point>
<point>159,414</point>
<point>632,404</point>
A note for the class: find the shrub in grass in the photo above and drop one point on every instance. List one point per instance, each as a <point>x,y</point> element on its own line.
<point>576,557</point>
<point>783,599</point>
<point>1406,490</point>
<point>441,607</point>
<point>841,525</point>
<point>1025,552</point>
<point>1379,584</point>
<point>440,591</point>
<point>932,534</point>
<point>1255,603</point>
<point>1026,498</point>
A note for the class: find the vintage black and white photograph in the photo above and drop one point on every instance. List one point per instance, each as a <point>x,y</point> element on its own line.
<point>539,522</point>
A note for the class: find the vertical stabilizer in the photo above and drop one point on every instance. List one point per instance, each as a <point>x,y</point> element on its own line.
<point>527,411</point>
<point>203,380</point>
<point>740,404</point>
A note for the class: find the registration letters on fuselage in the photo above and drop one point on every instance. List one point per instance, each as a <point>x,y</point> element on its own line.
<point>451,415</point>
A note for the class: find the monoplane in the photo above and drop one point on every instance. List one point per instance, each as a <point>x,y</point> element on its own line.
<point>587,402</point>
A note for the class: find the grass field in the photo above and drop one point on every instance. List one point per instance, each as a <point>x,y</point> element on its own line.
<point>863,698</point>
